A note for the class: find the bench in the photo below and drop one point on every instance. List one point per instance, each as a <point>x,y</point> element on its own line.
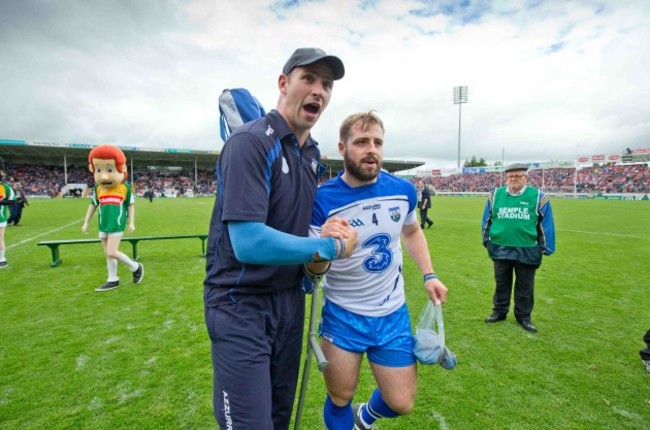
<point>55,244</point>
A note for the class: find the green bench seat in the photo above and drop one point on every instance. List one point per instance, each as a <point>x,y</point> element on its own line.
<point>55,244</point>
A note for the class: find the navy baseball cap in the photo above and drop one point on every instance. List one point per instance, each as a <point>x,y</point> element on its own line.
<point>306,56</point>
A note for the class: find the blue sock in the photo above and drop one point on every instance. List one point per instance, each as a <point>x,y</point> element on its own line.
<point>337,417</point>
<point>376,408</point>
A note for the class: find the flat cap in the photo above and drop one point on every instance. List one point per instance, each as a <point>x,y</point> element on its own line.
<point>306,56</point>
<point>516,166</point>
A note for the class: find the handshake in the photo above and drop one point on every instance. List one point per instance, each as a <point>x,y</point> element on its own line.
<point>347,237</point>
<point>346,241</point>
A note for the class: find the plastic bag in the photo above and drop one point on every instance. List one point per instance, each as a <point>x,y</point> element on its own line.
<point>429,347</point>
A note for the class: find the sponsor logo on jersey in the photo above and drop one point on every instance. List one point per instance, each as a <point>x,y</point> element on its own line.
<point>111,200</point>
<point>314,166</point>
<point>395,213</point>
<point>269,131</point>
<point>356,222</point>
<point>372,207</point>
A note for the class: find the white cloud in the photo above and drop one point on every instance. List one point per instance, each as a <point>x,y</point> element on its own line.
<point>545,80</point>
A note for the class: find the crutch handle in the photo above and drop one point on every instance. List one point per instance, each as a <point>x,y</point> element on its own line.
<point>318,353</point>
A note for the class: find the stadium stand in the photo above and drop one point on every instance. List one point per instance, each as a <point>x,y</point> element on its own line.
<point>47,181</point>
<point>624,178</point>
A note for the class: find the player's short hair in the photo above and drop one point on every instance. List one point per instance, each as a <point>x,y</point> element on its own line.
<point>108,152</point>
<point>365,118</point>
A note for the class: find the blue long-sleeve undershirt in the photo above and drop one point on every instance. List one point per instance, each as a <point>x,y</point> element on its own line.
<point>257,243</point>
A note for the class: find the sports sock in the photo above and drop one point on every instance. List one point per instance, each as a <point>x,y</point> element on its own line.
<point>337,417</point>
<point>2,255</point>
<point>126,260</point>
<point>376,408</point>
<point>111,265</point>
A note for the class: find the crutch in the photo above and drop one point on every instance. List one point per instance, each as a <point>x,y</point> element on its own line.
<point>313,348</point>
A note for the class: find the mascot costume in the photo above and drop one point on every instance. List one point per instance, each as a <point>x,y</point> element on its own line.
<point>116,206</point>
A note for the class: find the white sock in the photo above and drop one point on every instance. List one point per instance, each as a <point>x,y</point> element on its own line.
<point>126,260</point>
<point>111,265</point>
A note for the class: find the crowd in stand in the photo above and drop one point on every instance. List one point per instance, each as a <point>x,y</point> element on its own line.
<point>628,178</point>
<point>38,180</point>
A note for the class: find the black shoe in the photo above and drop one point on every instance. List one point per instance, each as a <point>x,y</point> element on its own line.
<point>528,326</point>
<point>495,317</point>
<point>109,285</point>
<point>3,264</point>
<point>422,226</point>
<point>138,274</point>
<point>430,224</point>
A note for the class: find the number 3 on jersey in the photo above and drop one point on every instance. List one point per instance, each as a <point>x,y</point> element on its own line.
<point>381,256</point>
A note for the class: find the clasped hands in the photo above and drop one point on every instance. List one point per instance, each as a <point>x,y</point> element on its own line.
<point>339,228</point>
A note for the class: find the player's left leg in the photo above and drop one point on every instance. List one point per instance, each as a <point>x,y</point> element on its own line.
<point>393,364</point>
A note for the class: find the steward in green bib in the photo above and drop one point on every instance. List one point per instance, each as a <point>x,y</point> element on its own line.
<point>518,228</point>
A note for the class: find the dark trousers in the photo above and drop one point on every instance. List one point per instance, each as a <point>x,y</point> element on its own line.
<point>645,353</point>
<point>424,218</point>
<point>524,284</point>
<point>16,212</point>
<point>256,347</point>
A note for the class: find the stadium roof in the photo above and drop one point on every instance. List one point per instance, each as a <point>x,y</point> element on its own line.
<point>53,154</point>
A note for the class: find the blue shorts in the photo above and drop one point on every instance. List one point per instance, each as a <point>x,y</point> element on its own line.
<point>387,340</point>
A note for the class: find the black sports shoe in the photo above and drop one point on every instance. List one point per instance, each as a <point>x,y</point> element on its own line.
<point>528,326</point>
<point>109,285</point>
<point>495,317</point>
<point>3,264</point>
<point>138,274</point>
<point>356,411</point>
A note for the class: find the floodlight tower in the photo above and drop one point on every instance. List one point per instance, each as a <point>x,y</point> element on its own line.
<point>460,97</point>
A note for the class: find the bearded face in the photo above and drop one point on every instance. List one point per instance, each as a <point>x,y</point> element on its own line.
<point>363,153</point>
<point>365,169</point>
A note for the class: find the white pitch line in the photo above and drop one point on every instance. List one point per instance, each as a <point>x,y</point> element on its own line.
<point>602,233</point>
<point>22,242</point>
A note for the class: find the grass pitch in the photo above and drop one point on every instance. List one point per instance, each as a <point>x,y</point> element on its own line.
<point>138,357</point>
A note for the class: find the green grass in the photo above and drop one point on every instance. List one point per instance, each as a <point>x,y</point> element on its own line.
<point>138,357</point>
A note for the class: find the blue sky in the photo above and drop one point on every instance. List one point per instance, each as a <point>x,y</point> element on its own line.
<point>547,80</point>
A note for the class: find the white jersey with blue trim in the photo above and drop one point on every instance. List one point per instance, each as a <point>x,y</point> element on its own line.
<point>370,282</point>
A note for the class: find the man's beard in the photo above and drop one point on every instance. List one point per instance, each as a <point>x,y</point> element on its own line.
<point>357,172</point>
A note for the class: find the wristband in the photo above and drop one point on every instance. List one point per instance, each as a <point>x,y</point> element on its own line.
<point>342,250</point>
<point>430,276</point>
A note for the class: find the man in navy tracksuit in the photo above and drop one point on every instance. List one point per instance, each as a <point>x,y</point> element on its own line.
<point>267,176</point>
